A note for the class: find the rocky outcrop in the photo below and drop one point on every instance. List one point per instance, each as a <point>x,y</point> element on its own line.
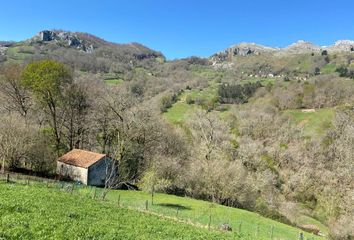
<point>2,50</point>
<point>67,39</point>
<point>299,47</point>
<point>343,45</point>
<point>242,49</point>
<point>4,45</point>
<point>47,36</point>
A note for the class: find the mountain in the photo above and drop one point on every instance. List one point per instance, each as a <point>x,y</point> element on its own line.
<point>299,47</point>
<point>343,45</point>
<point>242,49</point>
<point>89,43</point>
<point>82,50</point>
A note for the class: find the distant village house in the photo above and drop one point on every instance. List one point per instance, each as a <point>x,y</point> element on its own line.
<point>87,167</point>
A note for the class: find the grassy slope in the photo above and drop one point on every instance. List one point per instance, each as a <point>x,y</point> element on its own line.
<point>313,123</point>
<point>16,54</point>
<point>198,212</point>
<point>329,68</point>
<point>180,111</point>
<point>38,212</point>
<point>35,212</point>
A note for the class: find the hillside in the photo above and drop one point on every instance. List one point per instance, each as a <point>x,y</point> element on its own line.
<point>76,216</point>
<point>40,213</point>
<point>82,50</point>
<point>268,130</point>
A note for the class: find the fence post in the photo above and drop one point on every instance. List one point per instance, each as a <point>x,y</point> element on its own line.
<point>94,193</point>
<point>177,212</point>
<point>8,178</point>
<point>240,227</point>
<point>272,232</point>
<point>152,195</point>
<point>104,194</point>
<point>118,200</point>
<point>209,224</point>
<point>146,205</point>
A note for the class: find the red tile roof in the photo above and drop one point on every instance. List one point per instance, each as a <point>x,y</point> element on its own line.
<point>81,158</point>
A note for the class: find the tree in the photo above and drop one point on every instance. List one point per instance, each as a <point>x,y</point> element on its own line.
<point>47,79</point>
<point>167,101</point>
<point>16,95</point>
<point>76,109</point>
<point>210,139</point>
<point>15,140</point>
<point>343,71</point>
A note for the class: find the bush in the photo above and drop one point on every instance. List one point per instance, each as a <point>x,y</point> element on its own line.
<point>238,93</point>
<point>167,102</point>
<point>345,72</point>
<point>190,100</point>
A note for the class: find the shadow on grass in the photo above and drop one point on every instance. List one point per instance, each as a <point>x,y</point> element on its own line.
<point>173,206</point>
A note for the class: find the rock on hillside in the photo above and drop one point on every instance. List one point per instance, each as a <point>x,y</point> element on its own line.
<point>343,45</point>
<point>65,39</point>
<point>3,46</point>
<point>242,49</point>
<point>299,47</point>
<point>302,47</point>
<point>82,51</point>
<point>89,43</point>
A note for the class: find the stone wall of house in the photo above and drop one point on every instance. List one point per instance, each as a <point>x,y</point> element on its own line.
<point>72,172</point>
<point>97,172</point>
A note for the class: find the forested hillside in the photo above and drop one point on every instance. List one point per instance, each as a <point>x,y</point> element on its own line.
<point>265,129</point>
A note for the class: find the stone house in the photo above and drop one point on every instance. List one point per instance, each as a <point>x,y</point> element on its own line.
<point>87,167</point>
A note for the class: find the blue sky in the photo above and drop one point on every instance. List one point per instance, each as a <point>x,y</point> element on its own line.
<point>182,28</point>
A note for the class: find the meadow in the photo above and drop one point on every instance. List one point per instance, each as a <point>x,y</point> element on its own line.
<point>38,212</point>
<point>34,210</point>
<point>313,123</point>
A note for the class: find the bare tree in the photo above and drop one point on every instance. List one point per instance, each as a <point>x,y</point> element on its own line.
<point>17,97</point>
<point>15,140</point>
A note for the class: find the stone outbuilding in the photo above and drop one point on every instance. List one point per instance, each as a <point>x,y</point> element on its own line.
<point>87,167</point>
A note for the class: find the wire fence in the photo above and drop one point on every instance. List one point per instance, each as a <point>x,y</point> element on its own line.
<point>205,218</point>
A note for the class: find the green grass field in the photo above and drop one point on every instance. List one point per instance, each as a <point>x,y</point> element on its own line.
<point>251,225</point>
<point>37,212</point>
<point>181,110</point>
<point>313,123</point>
<point>329,68</point>
<point>18,54</point>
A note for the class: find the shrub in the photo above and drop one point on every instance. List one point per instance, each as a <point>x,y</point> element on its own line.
<point>190,100</point>
<point>237,93</point>
<point>167,102</point>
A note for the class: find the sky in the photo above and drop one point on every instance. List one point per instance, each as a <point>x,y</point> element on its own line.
<point>182,28</point>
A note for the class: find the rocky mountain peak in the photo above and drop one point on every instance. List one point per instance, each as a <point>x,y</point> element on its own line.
<point>68,39</point>
<point>303,46</point>
<point>344,45</point>
<point>242,49</point>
